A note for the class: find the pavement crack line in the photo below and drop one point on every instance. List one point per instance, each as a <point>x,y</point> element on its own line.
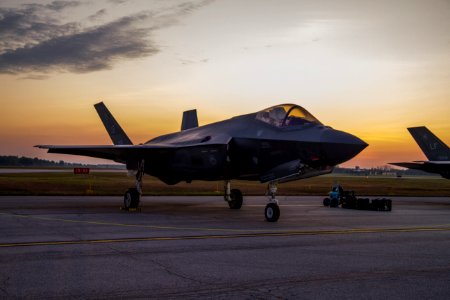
<point>176,274</point>
<point>159,264</point>
<point>262,290</point>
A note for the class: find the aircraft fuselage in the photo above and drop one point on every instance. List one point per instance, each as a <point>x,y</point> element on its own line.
<point>256,151</point>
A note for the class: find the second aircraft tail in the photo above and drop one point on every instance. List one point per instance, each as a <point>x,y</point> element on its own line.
<point>433,148</point>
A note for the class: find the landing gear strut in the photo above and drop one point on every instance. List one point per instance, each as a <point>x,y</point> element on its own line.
<point>132,196</point>
<point>272,211</point>
<point>232,196</point>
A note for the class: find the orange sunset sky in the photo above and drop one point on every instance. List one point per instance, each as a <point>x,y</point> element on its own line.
<point>371,68</point>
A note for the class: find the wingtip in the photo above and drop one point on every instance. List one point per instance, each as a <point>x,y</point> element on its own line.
<point>99,103</point>
<point>416,127</point>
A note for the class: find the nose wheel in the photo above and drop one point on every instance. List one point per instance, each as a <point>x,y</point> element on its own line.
<point>272,210</point>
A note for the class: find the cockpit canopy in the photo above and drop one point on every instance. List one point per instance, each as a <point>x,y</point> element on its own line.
<point>286,115</point>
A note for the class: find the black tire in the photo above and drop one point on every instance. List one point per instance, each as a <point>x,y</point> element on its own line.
<point>326,202</point>
<point>272,212</point>
<point>386,204</point>
<point>334,202</point>
<point>389,205</point>
<point>362,204</point>
<point>376,204</point>
<point>236,199</point>
<point>131,198</point>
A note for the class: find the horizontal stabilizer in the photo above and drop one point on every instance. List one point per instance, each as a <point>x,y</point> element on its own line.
<point>189,119</point>
<point>116,133</point>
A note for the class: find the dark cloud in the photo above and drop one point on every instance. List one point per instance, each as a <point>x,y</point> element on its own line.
<point>60,5</point>
<point>91,50</point>
<point>30,25</point>
<point>98,15</point>
<point>53,6</point>
<point>34,40</point>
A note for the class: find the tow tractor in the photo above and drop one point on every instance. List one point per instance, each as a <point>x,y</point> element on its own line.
<point>347,199</point>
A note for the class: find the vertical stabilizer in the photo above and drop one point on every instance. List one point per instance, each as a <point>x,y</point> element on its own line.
<point>433,148</point>
<point>189,119</point>
<point>116,133</point>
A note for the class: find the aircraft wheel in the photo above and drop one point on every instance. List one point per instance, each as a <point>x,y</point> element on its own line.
<point>236,199</point>
<point>326,202</point>
<point>272,212</point>
<point>131,198</point>
<point>334,203</point>
<point>388,205</point>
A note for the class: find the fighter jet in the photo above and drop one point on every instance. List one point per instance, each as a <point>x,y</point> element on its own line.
<point>435,150</point>
<point>278,144</point>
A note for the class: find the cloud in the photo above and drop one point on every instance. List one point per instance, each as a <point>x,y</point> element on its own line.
<point>55,5</point>
<point>35,77</point>
<point>185,61</point>
<point>60,5</point>
<point>118,1</point>
<point>35,40</point>
<point>32,24</point>
<point>91,50</point>
<point>98,15</point>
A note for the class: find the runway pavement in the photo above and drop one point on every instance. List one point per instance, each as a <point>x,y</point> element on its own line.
<point>195,247</point>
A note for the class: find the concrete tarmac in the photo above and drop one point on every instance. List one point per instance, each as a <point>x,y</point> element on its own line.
<point>195,247</point>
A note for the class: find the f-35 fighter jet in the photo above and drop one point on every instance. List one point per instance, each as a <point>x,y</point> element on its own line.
<point>278,144</point>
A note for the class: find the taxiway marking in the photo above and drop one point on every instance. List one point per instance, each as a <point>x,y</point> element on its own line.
<point>235,233</point>
<point>227,236</point>
<point>177,228</point>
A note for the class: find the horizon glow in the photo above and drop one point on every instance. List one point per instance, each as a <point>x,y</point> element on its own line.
<point>370,69</point>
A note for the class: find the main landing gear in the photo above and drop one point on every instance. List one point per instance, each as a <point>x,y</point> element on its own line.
<point>232,196</point>
<point>272,211</point>
<point>234,199</point>
<point>132,196</point>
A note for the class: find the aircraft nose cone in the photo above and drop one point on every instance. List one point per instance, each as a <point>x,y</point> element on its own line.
<point>341,146</point>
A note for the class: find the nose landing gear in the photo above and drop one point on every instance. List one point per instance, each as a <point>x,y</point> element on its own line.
<point>272,210</point>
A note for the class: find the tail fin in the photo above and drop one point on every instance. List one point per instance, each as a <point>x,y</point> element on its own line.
<point>433,148</point>
<point>189,119</point>
<point>116,133</point>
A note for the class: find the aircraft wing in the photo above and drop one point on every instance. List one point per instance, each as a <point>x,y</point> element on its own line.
<point>421,164</point>
<point>410,165</point>
<point>439,167</point>
<point>119,153</point>
<point>113,152</point>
